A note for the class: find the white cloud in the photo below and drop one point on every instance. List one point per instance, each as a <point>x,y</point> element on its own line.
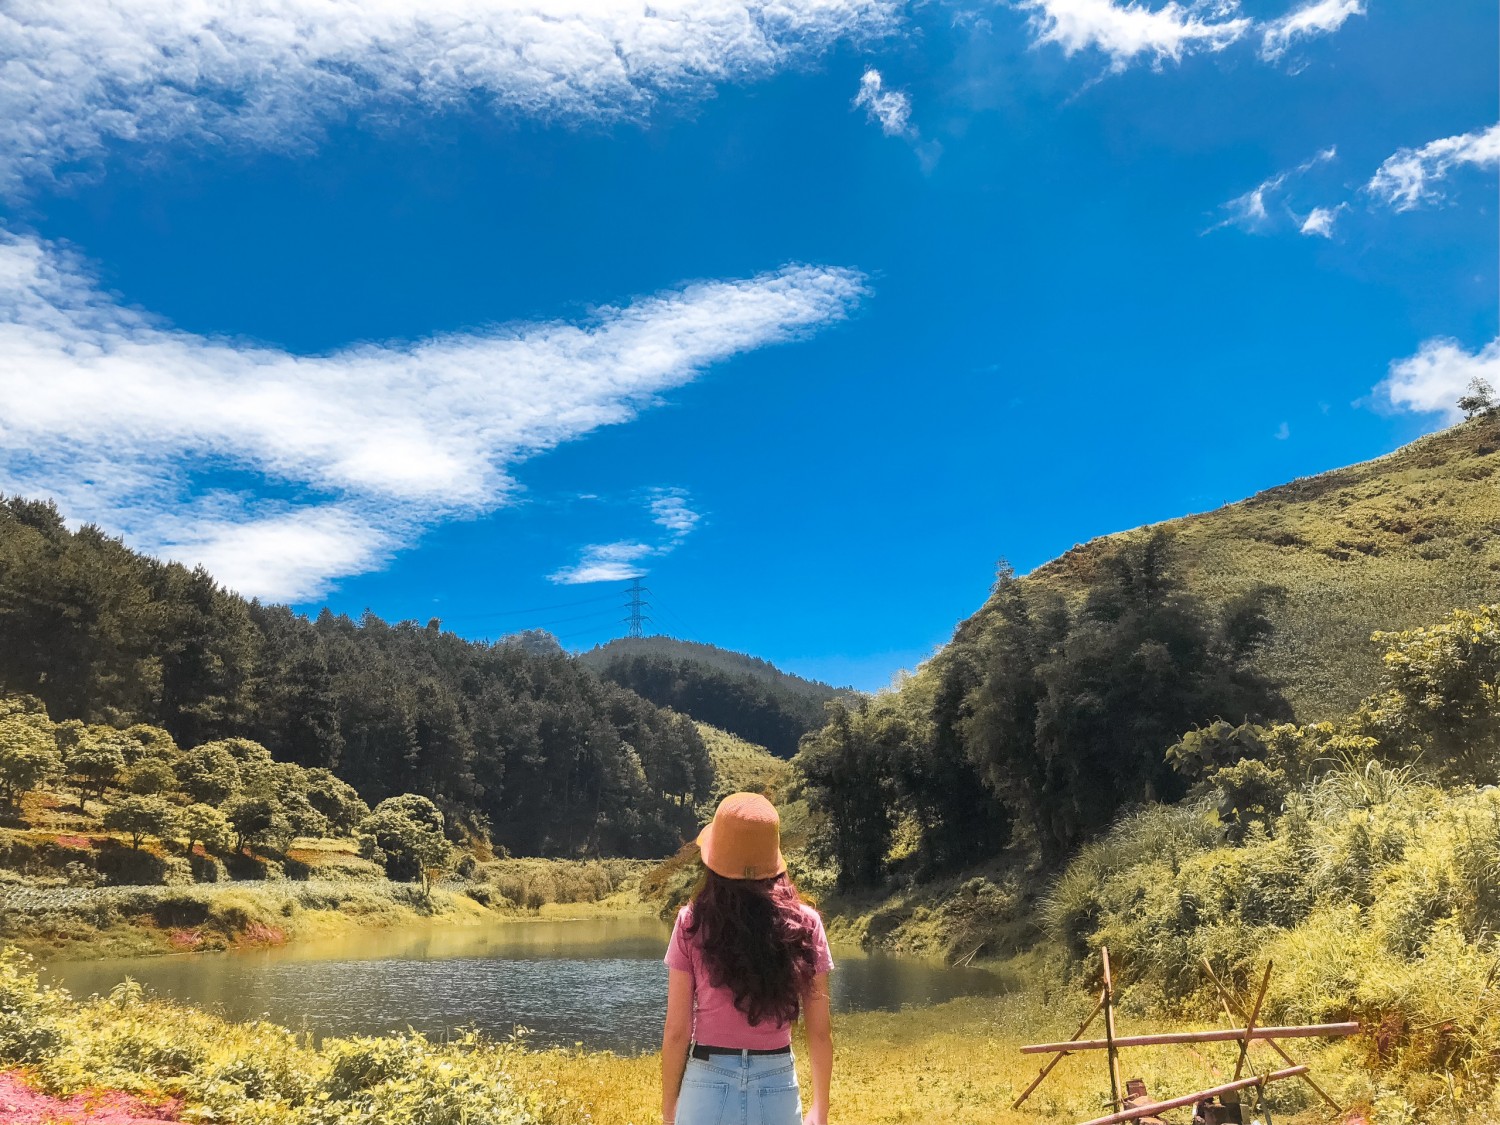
<point>606,562</point>
<point>620,561</point>
<point>1253,211</point>
<point>1407,179</point>
<point>1320,221</point>
<point>890,108</point>
<point>1283,431</point>
<point>76,75</point>
<point>286,471</point>
<point>1321,17</point>
<point>1432,381</point>
<point>1127,31</point>
<point>669,510</point>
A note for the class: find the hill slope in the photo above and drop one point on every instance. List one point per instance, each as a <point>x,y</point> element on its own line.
<point>743,695</point>
<point>1386,544</point>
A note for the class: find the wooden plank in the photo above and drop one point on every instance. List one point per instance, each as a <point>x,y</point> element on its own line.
<point>1057,1058</point>
<point>1260,998</point>
<point>1115,1085</point>
<point>1234,1010</point>
<point>1188,1099</point>
<point>1308,1031</point>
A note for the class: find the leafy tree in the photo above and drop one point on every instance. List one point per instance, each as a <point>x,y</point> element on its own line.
<point>1440,696</point>
<point>204,824</point>
<point>1478,399</point>
<point>257,821</point>
<point>140,817</point>
<point>28,752</point>
<point>208,773</point>
<point>405,835</point>
<point>150,776</point>
<point>337,800</point>
<point>845,770</point>
<point>94,757</point>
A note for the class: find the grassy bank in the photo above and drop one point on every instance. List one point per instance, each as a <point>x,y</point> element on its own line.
<point>957,1062</point>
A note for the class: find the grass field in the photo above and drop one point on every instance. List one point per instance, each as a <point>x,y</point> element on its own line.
<point>1387,544</point>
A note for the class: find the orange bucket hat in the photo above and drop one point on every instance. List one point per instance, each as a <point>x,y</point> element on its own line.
<point>744,839</point>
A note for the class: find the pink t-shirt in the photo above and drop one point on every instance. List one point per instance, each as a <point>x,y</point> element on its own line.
<point>716,1021</point>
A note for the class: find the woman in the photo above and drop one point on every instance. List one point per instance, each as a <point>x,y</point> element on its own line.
<point>746,956</point>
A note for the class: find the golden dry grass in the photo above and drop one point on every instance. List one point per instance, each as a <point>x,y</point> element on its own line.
<point>957,1063</point>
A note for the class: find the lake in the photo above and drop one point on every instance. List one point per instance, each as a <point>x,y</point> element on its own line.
<point>596,982</point>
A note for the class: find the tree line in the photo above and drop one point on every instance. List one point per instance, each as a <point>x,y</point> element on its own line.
<point>522,745</point>
<point>1039,722</point>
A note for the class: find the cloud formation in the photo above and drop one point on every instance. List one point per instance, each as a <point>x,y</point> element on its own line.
<point>1264,205</point>
<point>891,109</point>
<point>281,472</point>
<point>1432,381</point>
<point>1320,220</point>
<point>1126,32</point>
<point>1321,17</point>
<point>77,75</point>
<point>1409,178</point>
<point>621,561</point>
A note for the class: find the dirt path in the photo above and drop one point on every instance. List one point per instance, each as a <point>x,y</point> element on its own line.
<point>21,1105</point>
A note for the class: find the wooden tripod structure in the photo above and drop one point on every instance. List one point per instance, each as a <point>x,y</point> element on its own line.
<point>1244,1029</point>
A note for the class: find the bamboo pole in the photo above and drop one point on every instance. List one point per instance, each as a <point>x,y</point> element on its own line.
<point>1057,1058</point>
<point>1188,1099</point>
<point>1301,1031</point>
<point>1260,998</point>
<point>1115,1085</point>
<point>1233,1010</point>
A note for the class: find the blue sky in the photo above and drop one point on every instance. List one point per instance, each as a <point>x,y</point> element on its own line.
<point>806,310</point>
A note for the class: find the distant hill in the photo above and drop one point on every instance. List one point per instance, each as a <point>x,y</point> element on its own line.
<point>741,694</point>
<point>1382,545</point>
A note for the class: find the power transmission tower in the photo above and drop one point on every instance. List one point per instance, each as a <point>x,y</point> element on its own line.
<point>637,605</point>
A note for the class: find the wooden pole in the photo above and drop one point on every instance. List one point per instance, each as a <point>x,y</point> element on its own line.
<point>1057,1058</point>
<point>1260,998</point>
<point>1188,1099</point>
<point>1115,1083</point>
<point>1234,1011</point>
<point>1307,1031</point>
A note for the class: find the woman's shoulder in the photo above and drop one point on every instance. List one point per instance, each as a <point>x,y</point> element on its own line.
<point>810,912</point>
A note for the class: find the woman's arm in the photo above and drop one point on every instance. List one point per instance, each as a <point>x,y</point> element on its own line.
<point>676,1033</point>
<point>819,1023</point>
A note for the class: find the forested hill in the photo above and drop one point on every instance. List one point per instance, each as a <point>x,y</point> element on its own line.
<point>1387,544</point>
<point>741,694</point>
<point>529,746</point>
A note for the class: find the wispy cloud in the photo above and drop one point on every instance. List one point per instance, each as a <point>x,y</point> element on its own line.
<point>623,560</point>
<point>891,109</point>
<point>1321,17</point>
<point>77,75</point>
<point>1265,205</point>
<point>1129,31</point>
<point>281,472</point>
<point>1433,380</point>
<point>1410,177</point>
<point>1320,221</point>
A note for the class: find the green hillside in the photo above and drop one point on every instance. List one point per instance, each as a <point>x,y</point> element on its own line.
<point>743,695</point>
<point>1386,544</point>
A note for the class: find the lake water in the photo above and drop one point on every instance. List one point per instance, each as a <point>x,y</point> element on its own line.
<point>598,982</point>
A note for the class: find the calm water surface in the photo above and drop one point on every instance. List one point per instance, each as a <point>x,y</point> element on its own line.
<point>598,982</point>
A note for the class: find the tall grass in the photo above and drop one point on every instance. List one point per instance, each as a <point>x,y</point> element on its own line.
<point>1374,894</point>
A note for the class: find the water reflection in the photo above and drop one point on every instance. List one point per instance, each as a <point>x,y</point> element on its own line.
<point>599,982</point>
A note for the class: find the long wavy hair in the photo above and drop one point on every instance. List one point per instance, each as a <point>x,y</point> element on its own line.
<point>757,941</point>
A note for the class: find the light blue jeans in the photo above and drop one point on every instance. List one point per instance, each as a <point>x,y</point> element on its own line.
<point>740,1090</point>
